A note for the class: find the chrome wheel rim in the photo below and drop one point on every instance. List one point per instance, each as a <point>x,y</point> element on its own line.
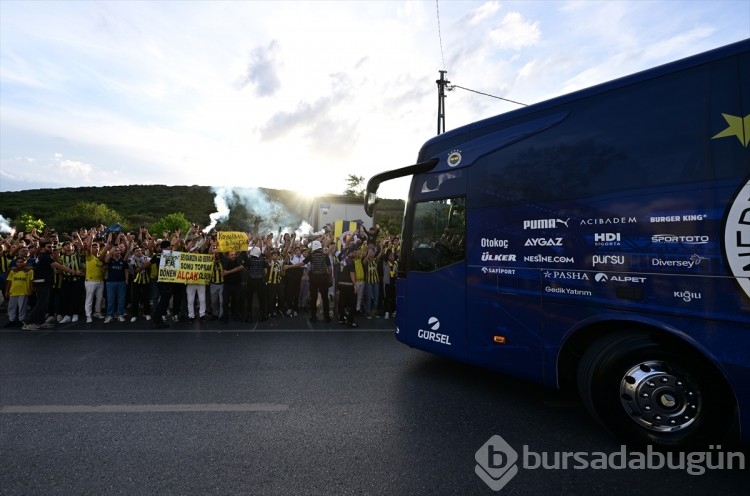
<point>660,396</point>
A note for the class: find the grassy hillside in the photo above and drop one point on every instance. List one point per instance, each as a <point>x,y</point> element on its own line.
<point>137,204</point>
<point>144,205</point>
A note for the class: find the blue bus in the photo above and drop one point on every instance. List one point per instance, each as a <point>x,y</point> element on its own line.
<point>597,241</point>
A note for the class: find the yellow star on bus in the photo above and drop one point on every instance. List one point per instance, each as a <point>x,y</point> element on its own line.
<point>738,126</point>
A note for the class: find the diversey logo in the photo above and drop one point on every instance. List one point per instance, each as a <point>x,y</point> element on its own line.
<point>496,462</point>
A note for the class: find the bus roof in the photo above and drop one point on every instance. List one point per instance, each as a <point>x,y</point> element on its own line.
<point>671,67</point>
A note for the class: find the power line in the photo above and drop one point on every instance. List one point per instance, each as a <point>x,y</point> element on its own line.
<point>444,84</point>
<point>450,88</point>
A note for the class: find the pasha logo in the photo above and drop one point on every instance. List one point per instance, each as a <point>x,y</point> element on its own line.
<point>737,238</point>
<point>570,275</point>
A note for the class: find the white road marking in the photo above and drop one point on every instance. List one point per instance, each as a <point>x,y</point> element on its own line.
<point>209,407</point>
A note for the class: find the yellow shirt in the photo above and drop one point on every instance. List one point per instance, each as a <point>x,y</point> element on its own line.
<point>20,282</point>
<point>94,269</point>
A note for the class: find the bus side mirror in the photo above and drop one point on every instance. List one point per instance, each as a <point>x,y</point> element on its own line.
<point>370,200</point>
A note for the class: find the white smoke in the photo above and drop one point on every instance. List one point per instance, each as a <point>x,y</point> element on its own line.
<point>272,214</point>
<point>5,226</point>
<point>304,228</point>
<point>222,209</point>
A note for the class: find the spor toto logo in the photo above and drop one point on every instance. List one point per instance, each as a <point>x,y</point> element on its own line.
<point>737,238</point>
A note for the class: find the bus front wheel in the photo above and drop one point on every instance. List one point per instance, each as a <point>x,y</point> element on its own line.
<point>649,394</point>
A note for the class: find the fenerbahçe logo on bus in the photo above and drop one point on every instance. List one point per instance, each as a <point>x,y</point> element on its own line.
<point>454,158</point>
<point>737,238</point>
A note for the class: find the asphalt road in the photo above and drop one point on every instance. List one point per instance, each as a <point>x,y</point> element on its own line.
<point>287,407</point>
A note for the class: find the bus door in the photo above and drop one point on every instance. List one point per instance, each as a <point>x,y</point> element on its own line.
<point>504,311</point>
<point>431,297</point>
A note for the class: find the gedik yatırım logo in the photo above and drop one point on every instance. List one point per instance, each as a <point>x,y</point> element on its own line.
<point>496,462</point>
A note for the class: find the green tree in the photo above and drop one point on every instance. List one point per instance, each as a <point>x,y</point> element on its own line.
<point>355,186</point>
<point>85,215</point>
<point>170,223</point>
<point>26,223</point>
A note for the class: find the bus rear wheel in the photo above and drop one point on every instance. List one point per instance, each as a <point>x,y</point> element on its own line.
<point>647,393</point>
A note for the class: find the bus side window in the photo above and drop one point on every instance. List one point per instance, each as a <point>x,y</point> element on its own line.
<point>424,259</point>
<point>439,234</point>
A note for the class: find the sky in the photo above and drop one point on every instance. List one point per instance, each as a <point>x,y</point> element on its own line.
<point>300,95</point>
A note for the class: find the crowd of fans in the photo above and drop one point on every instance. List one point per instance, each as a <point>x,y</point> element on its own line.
<point>54,278</point>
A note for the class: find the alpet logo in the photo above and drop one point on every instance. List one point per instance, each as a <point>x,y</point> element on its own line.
<point>496,463</point>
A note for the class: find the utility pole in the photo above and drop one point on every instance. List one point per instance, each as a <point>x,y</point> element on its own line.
<point>442,83</point>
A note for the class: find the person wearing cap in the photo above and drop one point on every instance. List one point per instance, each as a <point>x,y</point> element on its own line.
<point>320,274</point>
